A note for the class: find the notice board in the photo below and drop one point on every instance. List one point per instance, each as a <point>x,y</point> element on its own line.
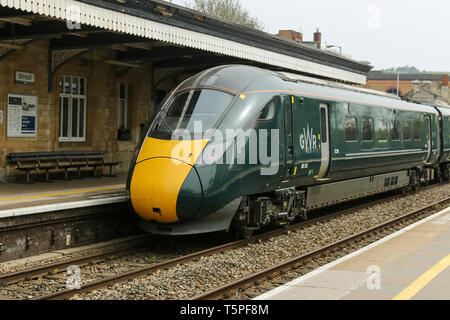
<point>22,115</point>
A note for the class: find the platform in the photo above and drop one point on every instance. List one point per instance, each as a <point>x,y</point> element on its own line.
<point>413,263</point>
<point>20,199</point>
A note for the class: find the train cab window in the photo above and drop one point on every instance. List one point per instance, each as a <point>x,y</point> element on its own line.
<point>192,107</point>
<point>417,130</point>
<point>395,135</point>
<point>382,130</point>
<point>268,112</point>
<point>351,129</point>
<point>367,124</point>
<point>406,131</point>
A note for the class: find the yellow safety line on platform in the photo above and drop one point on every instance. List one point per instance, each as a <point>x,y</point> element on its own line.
<point>60,194</point>
<point>423,280</point>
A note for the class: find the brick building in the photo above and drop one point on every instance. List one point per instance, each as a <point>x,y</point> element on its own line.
<point>426,87</point>
<point>87,75</point>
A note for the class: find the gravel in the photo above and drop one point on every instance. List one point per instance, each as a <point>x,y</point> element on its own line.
<point>188,280</point>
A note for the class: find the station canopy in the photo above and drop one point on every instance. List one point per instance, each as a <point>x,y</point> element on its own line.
<point>162,34</point>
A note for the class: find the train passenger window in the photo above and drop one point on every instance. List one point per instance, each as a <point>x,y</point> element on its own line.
<point>367,124</point>
<point>395,131</point>
<point>382,131</point>
<point>351,129</point>
<point>268,112</point>
<point>406,131</point>
<point>417,130</point>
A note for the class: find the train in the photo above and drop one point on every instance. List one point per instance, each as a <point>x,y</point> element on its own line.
<point>237,147</point>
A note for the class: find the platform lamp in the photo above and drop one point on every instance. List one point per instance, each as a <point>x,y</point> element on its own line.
<point>334,46</point>
<point>419,82</point>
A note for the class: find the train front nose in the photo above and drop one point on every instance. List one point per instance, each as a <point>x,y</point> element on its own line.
<point>164,188</point>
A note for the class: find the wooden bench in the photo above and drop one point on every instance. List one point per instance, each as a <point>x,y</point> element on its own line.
<point>46,161</point>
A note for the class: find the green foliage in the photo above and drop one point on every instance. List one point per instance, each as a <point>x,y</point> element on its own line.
<point>228,10</point>
<point>405,69</point>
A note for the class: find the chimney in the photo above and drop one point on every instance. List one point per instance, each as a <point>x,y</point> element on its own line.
<point>291,35</point>
<point>445,80</point>
<point>416,85</point>
<point>318,38</point>
<point>444,88</point>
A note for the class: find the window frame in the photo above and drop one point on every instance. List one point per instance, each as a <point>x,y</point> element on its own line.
<point>393,129</point>
<point>418,122</point>
<point>70,96</point>
<point>265,106</point>
<point>385,122</point>
<point>409,129</point>
<point>125,111</point>
<point>356,129</point>
<point>372,131</point>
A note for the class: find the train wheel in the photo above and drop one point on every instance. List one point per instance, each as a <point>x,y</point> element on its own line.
<point>446,173</point>
<point>246,233</point>
<point>405,191</point>
<point>414,181</point>
<point>285,225</point>
<point>303,214</point>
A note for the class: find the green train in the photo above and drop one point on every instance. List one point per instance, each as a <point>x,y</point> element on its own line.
<point>241,147</point>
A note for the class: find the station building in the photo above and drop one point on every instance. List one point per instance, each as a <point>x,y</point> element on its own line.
<point>420,87</point>
<point>87,75</point>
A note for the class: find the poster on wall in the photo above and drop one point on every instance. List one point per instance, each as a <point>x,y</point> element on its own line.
<point>22,115</point>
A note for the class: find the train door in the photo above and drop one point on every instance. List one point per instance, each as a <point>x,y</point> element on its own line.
<point>324,142</point>
<point>289,138</point>
<point>429,137</point>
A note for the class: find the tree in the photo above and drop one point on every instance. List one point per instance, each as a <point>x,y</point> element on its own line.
<point>228,10</point>
<point>405,69</point>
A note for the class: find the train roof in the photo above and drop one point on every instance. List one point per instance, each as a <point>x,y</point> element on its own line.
<point>441,106</point>
<point>239,79</point>
<point>287,76</point>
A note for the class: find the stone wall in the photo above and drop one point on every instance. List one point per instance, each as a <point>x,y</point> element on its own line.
<point>103,82</point>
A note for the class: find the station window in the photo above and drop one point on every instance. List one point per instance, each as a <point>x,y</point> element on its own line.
<point>367,124</point>
<point>395,131</point>
<point>351,129</point>
<point>406,131</point>
<point>72,108</point>
<point>417,130</point>
<point>382,131</point>
<point>123,106</point>
<point>268,112</point>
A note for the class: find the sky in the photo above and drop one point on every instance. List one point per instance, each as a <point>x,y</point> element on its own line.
<point>388,33</point>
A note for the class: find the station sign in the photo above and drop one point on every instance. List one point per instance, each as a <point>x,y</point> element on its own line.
<point>22,77</point>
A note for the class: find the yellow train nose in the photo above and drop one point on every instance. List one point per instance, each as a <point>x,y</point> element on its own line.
<point>155,187</point>
<point>161,169</point>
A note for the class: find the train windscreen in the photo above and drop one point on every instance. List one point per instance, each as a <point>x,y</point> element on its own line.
<point>195,106</point>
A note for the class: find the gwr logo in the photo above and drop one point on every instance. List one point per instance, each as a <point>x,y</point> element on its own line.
<point>308,141</point>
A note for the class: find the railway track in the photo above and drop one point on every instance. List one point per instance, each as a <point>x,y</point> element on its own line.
<point>130,247</point>
<point>226,291</point>
<point>195,256</point>
<point>152,268</point>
